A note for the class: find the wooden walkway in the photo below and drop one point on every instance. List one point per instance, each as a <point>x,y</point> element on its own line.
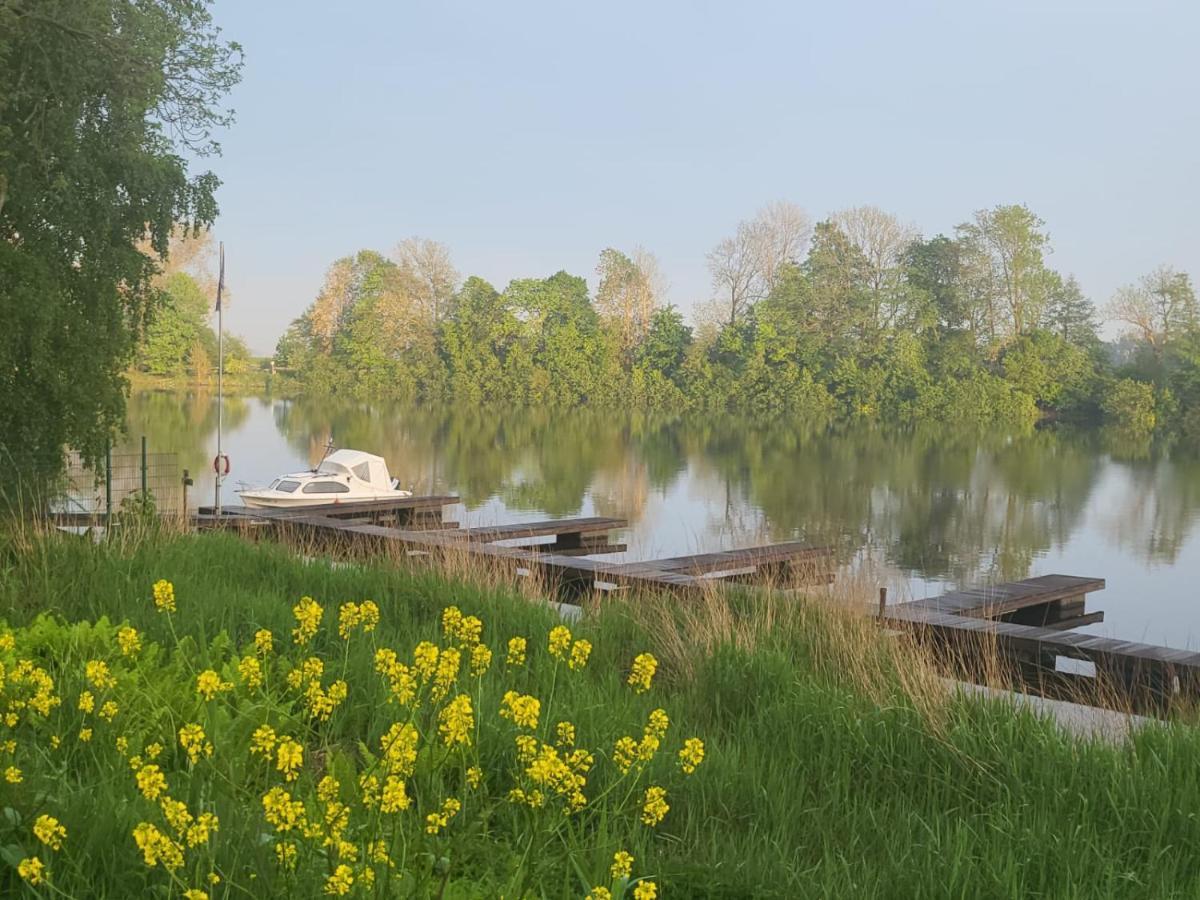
<point>561,560</point>
<point>968,622</point>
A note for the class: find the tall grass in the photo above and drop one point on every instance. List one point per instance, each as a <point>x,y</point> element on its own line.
<point>835,765</point>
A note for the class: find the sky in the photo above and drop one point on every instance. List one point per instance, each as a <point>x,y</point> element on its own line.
<point>528,137</point>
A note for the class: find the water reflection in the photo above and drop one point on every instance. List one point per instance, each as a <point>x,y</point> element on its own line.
<point>936,504</point>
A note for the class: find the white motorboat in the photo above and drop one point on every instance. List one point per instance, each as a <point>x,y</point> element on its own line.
<point>343,476</point>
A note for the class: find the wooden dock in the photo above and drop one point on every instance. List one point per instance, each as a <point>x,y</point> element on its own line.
<point>1025,622</point>
<point>556,550</point>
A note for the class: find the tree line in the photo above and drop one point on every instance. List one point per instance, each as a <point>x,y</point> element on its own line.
<point>855,316</point>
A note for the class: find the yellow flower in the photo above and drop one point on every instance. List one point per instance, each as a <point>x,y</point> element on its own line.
<point>527,747</point>
<point>122,743</point>
<point>87,702</point>
<point>164,596</point>
<point>263,642</point>
<point>195,894</point>
<point>644,667</point>
<point>7,642</point>
<point>580,651</point>
<point>395,796</point>
<point>157,847</point>
<point>153,750</point>
<point>129,641</point>
<point>151,782</point>
<point>523,709</point>
<point>564,734</point>
<point>378,852</point>
<point>85,734</point>
<point>516,651</point>
<point>262,742</point>
<point>655,806</point>
<point>308,619</point>
<point>622,865</point>
<point>55,740</point>
<point>691,755</point>
<point>456,721</point>
<point>356,615</point>
<point>435,822</point>
<point>599,893</point>
<point>339,883</point>
<point>645,890</point>
<point>176,814</point>
<point>470,630</point>
<point>560,640</point>
<point>401,681</point>
<point>658,723</point>
<point>281,811</point>
<point>399,747</point>
<point>481,658</point>
<point>48,830</point>
<point>289,757</point>
<point>214,878</point>
<point>625,751</point>
<point>474,776</point>
<point>109,710</point>
<point>98,676</point>
<point>447,672</point>
<point>425,660</point>
<point>209,684</point>
<point>250,671</point>
<point>286,855</point>
<point>32,870</point>
<point>13,775</point>
<point>451,617</point>
<point>327,789</point>
<point>198,833</point>
<point>191,738</point>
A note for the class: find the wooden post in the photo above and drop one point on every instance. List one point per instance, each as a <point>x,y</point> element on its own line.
<point>882,601</point>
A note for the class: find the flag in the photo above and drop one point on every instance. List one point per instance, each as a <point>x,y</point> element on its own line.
<point>220,279</point>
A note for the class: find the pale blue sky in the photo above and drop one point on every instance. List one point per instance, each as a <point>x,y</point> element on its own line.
<point>528,137</point>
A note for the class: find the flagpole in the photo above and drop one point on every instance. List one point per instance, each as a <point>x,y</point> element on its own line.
<point>220,381</point>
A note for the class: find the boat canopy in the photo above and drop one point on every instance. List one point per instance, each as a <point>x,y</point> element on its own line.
<point>364,466</point>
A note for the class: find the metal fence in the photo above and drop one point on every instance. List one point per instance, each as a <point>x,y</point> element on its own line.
<point>122,477</point>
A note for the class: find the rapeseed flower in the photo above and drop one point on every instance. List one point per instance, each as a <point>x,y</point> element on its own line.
<point>401,681</point>
<point>658,723</point>
<point>289,757</point>
<point>622,865</point>
<point>516,651</point>
<point>580,651</point>
<point>209,684</point>
<point>645,890</point>
<point>250,671</point>
<point>87,702</point>
<point>192,739</point>
<point>560,640</point>
<point>435,822</point>
<point>85,734</point>
<point>198,833</point>
<point>13,775</point>
<point>151,782</point>
<point>425,660</point>
<point>691,755</point>
<point>264,642</point>
<point>98,676</point>
<point>447,672</point>
<point>599,893</point>
<point>262,742</point>
<point>308,619</point>
<point>456,721</point>
<point>157,847</point>
<point>522,709</point>
<point>7,642</point>
<point>625,751</point>
<point>340,882</point>
<point>164,596</point>
<point>481,658</point>
<point>655,806</point>
<point>394,797</point>
<point>109,710</point>
<point>642,673</point>
<point>474,776</point>
<point>129,641</point>
<point>451,618</point>
<point>564,734</point>
<point>48,830</point>
<point>352,615</point>
<point>195,894</point>
<point>285,854</point>
<point>281,811</point>
<point>32,870</point>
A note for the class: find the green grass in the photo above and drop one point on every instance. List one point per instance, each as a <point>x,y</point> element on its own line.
<point>813,784</point>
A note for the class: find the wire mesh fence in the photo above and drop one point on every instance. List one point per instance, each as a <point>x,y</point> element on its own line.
<point>119,481</point>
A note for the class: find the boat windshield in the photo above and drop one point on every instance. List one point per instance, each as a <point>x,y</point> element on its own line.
<point>287,487</point>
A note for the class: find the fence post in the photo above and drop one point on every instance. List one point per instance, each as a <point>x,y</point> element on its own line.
<point>144,472</point>
<point>882,601</point>
<point>107,485</point>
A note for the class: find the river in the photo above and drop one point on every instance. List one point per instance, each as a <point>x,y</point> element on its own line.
<point>921,510</point>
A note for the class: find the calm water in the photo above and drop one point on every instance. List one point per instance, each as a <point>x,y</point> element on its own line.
<point>929,509</point>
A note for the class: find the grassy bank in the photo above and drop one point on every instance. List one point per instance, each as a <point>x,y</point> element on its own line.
<point>831,768</point>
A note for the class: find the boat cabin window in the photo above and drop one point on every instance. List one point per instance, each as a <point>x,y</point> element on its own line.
<point>326,487</point>
<point>363,471</point>
<point>274,485</point>
<point>287,487</point>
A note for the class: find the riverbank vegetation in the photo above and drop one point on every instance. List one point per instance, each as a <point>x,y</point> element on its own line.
<point>857,317</point>
<point>832,765</point>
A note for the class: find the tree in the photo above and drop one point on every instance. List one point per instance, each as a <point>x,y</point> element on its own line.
<point>630,290</point>
<point>1069,314</point>
<point>103,102</point>
<point>882,239</point>
<point>434,275</point>
<point>1004,249</point>
<point>747,266</point>
<point>178,326</point>
<point>934,267</point>
<point>666,343</point>
<point>1160,306</point>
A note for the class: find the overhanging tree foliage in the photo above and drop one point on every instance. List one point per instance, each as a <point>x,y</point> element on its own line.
<point>100,103</point>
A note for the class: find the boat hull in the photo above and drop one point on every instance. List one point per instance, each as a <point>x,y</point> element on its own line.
<point>280,500</point>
